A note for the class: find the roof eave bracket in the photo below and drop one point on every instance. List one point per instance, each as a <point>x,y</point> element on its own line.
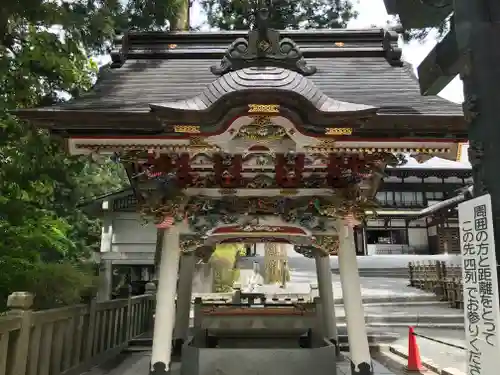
<point>393,53</point>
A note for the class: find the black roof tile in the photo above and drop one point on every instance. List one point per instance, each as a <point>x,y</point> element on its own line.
<point>369,81</point>
<point>354,66</point>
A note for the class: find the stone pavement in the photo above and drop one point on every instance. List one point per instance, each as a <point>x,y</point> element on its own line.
<point>138,364</point>
<point>442,356</point>
<point>414,309</point>
<point>303,274</point>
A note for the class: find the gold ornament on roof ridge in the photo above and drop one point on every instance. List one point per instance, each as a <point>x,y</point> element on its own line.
<point>263,108</point>
<point>338,131</point>
<point>190,129</point>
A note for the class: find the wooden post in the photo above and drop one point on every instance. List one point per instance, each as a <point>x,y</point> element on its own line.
<point>444,275</point>
<point>89,342</point>
<point>440,282</point>
<point>410,272</point>
<point>20,304</point>
<point>129,317</point>
<point>417,273</point>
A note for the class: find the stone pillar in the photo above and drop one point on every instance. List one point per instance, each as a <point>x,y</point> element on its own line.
<point>325,289</point>
<point>105,280</point>
<point>165,303</point>
<point>184,293</point>
<point>361,363</point>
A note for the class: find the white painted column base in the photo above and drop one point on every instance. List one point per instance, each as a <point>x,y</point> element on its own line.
<point>325,289</point>
<point>184,293</point>
<point>165,303</point>
<point>361,363</point>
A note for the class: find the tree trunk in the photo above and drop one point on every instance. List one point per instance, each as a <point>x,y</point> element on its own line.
<point>180,22</point>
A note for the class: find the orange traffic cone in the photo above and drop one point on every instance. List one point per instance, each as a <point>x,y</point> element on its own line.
<point>414,362</point>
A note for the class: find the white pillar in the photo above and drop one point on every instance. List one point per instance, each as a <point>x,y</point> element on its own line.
<point>361,363</point>
<point>165,303</point>
<point>105,269</point>
<point>184,292</point>
<point>325,289</point>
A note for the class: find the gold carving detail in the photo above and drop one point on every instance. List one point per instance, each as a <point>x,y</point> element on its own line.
<point>263,108</point>
<point>228,191</point>
<point>190,129</point>
<point>261,121</point>
<point>325,143</point>
<point>198,142</point>
<point>324,146</point>
<point>262,129</point>
<point>329,244</point>
<point>190,244</point>
<point>289,192</point>
<point>338,131</point>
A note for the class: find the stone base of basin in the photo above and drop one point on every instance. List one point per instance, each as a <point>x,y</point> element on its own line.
<point>262,361</point>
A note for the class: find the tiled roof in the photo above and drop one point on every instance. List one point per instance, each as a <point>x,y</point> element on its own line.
<point>354,66</point>
<point>369,81</point>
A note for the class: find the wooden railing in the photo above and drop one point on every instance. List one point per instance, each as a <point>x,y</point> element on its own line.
<point>68,340</point>
<point>445,280</point>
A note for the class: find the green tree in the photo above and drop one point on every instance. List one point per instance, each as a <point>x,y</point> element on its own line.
<point>44,57</point>
<point>284,14</point>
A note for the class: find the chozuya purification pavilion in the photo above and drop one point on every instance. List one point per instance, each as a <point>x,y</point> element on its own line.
<point>255,137</point>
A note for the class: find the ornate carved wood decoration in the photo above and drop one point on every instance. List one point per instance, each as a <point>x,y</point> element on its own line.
<point>263,47</point>
<point>261,129</point>
<point>218,170</point>
<point>323,245</point>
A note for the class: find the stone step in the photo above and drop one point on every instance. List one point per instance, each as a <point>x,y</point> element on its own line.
<point>344,347</point>
<point>452,326</point>
<point>380,272</point>
<point>145,343</point>
<point>393,299</point>
<point>409,319</point>
<point>137,348</point>
<point>409,303</point>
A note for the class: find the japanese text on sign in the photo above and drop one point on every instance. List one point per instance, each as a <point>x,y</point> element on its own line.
<point>480,287</point>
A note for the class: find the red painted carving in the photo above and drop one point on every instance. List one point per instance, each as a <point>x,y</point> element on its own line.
<point>252,239</point>
<point>183,170</point>
<point>334,170</point>
<point>280,170</point>
<point>259,228</point>
<point>289,169</point>
<point>227,179</point>
<point>218,168</point>
<point>236,170</point>
<point>160,165</point>
<point>299,168</point>
<point>228,170</point>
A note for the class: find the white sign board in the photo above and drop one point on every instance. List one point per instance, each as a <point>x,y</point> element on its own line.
<point>479,275</point>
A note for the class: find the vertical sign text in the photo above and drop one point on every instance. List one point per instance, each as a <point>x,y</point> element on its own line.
<point>479,277</point>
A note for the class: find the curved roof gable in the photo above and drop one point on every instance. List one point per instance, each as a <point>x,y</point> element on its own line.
<point>287,85</point>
